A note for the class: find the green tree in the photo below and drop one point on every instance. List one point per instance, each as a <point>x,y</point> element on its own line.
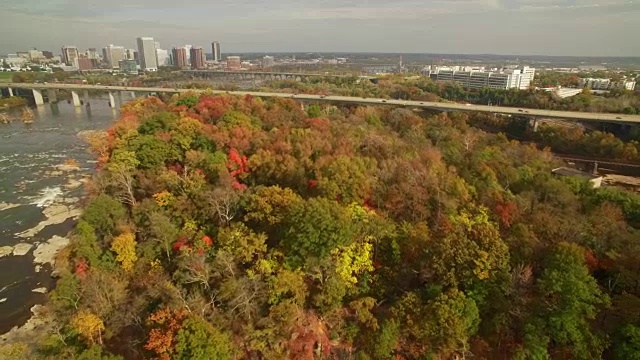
<point>199,340</point>
<point>627,343</point>
<point>314,228</point>
<point>104,213</point>
<point>570,299</point>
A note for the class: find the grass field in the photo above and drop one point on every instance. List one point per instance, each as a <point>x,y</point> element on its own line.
<point>6,76</point>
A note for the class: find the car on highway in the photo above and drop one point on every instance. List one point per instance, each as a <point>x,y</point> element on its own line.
<point>384,101</point>
<point>618,117</point>
<point>520,110</point>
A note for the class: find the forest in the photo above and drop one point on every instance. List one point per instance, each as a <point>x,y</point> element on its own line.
<point>224,227</point>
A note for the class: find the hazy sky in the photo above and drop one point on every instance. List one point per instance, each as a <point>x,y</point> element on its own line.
<point>527,27</point>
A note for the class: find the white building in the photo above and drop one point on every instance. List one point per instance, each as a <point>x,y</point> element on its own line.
<point>267,62</point>
<point>15,60</point>
<point>163,57</point>
<point>478,78</point>
<point>606,84</point>
<point>113,55</point>
<point>215,49</point>
<point>188,49</point>
<point>147,54</point>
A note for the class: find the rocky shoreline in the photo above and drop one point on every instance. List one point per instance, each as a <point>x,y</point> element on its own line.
<point>44,247</point>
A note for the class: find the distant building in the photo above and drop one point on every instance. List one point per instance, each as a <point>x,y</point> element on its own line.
<point>35,55</point>
<point>215,51</point>
<point>92,54</point>
<point>606,84</point>
<point>594,180</point>
<point>188,48</point>
<point>113,55</point>
<point>234,63</point>
<point>23,54</point>
<point>84,64</point>
<point>130,54</point>
<point>47,54</point>
<point>15,60</point>
<point>480,79</point>
<point>69,55</point>
<point>163,57</point>
<point>179,57</point>
<point>267,62</point>
<point>147,54</point>
<point>197,58</point>
<point>128,66</point>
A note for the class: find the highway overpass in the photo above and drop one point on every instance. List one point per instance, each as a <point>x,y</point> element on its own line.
<point>441,106</point>
<point>259,74</point>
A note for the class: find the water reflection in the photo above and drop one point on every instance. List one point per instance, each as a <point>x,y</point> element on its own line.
<point>55,109</point>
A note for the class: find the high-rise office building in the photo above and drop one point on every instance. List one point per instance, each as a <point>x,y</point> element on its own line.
<point>130,54</point>
<point>91,54</point>
<point>267,62</point>
<point>69,55</point>
<point>47,54</point>
<point>188,48</point>
<point>147,54</point>
<point>113,55</point>
<point>234,63</point>
<point>215,51</point>
<point>197,58</point>
<point>179,57</point>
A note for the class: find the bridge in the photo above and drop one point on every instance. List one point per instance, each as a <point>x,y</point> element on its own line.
<point>261,75</point>
<point>347,100</point>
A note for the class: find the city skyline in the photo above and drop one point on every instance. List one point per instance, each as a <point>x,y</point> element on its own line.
<point>517,27</point>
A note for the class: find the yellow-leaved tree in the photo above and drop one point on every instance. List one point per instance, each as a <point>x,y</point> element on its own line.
<point>88,325</point>
<point>124,246</point>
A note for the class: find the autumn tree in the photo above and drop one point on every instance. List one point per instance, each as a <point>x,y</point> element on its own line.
<point>89,326</point>
<point>124,246</point>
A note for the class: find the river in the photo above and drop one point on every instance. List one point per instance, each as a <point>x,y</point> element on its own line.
<point>42,167</point>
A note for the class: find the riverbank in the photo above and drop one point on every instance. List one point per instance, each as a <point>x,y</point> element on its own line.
<point>42,168</point>
<point>13,102</point>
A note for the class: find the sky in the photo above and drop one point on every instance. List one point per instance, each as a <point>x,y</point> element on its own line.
<point>509,27</point>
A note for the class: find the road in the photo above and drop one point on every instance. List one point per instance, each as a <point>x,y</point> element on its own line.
<point>554,114</point>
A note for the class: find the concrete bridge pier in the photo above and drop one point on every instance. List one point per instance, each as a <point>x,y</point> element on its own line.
<point>10,92</point>
<point>37,97</point>
<point>112,100</point>
<point>533,124</point>
<point>76,99</point>
<point>53,96</point>
<point>133,95</point>
<point>120,98</point>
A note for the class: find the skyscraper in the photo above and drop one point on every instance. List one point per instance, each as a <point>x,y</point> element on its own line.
<point>188,48</point>
<point>147,54</point>
<point>130,53</point>
<point>215,50</point>
<point>69,55</point>
<point>113,55</point>
<point>197,58</point>
<point>179,57</point>
<point>92,54</point>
